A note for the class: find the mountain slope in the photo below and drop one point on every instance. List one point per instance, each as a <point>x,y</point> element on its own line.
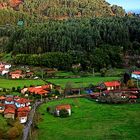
<point>63,9</point>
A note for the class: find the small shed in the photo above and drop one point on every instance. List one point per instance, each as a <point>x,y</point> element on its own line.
<point>63,106</point>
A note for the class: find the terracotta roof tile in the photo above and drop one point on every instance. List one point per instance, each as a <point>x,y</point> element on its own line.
<point>9,110</point>
<point>112,83</point>
<point>63,106</point>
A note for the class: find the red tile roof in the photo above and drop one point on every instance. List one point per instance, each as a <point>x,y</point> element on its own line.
<point>9,99</point>
<point>133,97</point>
<point>16,98</point>
<point>2,97</point>
<point>23,109</point>
<point>23,100</point>
<point>9,110</point>
<point>136,72</point>
<point>22,114</point>
<point>10,106</point>
<point>16,72</point>
<point>112,84</point>
<point>37,90</point>
<point>64,106</point>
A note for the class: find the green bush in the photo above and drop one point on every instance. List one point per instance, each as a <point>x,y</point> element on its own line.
<point>18,89</point>
<point>13,89</point>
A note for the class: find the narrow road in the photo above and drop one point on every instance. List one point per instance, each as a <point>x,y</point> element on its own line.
<point>30,120</point>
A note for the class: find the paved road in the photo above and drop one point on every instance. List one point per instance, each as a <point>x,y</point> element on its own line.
<point>30,120</point>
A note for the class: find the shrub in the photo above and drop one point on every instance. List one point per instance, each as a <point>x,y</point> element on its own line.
<point>4,89</point>
<point>13,89</point>
<point>10,122</point>
<point>63,113</point>
<point>18,89</point>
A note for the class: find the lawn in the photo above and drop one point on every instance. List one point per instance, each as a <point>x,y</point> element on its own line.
<point>81,82</point>
<point>9,83</point>
<point>90,121</point>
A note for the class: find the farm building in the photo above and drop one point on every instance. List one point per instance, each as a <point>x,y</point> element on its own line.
<point>22,114</point>
<point>111,85</point>
<point>63,106</point>
<point>136,75</point>
<point>16,74</point>
<point>10,111</point>
<point>9,100</point>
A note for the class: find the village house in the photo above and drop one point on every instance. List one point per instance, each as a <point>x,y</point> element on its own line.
<point>22,102</point>
<point>136,75</point>
<point>63,106</point>
<point>22,114</point>
<point>38,90</point>
<point>111,85</point>
<point>9,101</point>
<point>10,111</point>
<point>17,74</point>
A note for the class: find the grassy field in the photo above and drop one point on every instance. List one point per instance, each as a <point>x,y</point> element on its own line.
<point>81,82</point>
<point>8,83</point>
<point>90,121</point>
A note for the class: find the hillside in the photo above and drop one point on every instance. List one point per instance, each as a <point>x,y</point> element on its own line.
<point>60,9</point>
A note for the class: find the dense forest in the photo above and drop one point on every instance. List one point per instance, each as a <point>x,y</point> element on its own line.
<point>93,42</point>
<point>92,33</point>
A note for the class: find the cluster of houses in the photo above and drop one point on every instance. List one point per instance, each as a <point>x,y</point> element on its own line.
<point>114,87</point>
<point>19,74</point>
<point>37,90</point>
<point>14,74</point>
<point>15,107</point>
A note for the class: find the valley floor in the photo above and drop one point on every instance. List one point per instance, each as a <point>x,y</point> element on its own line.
<point>90,121</point>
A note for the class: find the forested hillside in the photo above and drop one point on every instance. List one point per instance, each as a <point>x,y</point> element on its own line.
<point>93,42</point>
<point>12,10</point>
<point>60,33</point>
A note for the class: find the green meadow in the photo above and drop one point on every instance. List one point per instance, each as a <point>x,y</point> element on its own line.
<point>90,121</point>
<point>9,83</point>
<point>82,81</point>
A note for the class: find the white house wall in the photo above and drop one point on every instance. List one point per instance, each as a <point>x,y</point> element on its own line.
<point>136,76</point>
